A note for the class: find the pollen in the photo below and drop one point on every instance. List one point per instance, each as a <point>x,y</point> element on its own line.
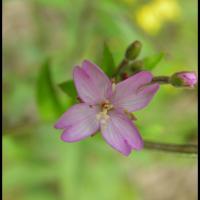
<point>106,106</point>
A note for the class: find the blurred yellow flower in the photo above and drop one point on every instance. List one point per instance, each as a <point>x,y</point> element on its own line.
<point>147,19</point>
<point>151,17</point>
<point>167,9</point>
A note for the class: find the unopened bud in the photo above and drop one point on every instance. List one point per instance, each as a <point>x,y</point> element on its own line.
<point>183,79</point>
<point>133,50</point>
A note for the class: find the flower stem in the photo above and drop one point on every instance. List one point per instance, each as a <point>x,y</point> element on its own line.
<point>123,63</point>
<point>173,148</point>
<point>161,79</point>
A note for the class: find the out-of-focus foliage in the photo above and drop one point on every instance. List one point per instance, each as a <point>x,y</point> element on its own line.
<point>48,102</point>
<point>37,165</point>
<point>69,88</point>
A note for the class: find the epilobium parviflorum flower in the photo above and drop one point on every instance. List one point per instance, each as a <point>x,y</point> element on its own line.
<point>184,79</point>
<point>106,106</point>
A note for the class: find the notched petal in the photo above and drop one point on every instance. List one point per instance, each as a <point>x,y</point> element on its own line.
<point>121,134</point>
<point>135,93</point>
<point>78,122</point>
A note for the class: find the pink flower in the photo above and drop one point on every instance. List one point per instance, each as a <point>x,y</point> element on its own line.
<point>105,107</point>
<point>185,78</point>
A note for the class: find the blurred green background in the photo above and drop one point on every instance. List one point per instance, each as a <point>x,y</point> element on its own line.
<point>37,165</point>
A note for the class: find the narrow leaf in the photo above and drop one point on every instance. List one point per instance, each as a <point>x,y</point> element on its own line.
<point>108,64</point>
<point>152,61</point>
<point>69,88</point>
<point>49,105</point>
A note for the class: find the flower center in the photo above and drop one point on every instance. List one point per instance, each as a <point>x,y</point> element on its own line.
<point>103,116</point>
<point>106,106</point>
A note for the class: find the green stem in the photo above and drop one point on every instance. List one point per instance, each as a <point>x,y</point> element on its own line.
<point>161,79</point>
<point>120,67</point>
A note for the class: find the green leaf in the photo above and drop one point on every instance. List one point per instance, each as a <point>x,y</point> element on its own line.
<point>108,64</point>
<point>152,61</point>
<point>69,88</point>
<point>49,105</point>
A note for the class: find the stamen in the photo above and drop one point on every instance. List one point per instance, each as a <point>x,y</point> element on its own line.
<point>130,115</point>
<point>106,105</point>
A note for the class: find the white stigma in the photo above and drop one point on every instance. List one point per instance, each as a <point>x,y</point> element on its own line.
<point>113,87</point>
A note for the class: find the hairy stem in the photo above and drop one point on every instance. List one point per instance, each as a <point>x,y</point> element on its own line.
<point>161,79</point>
<point>173,148</point>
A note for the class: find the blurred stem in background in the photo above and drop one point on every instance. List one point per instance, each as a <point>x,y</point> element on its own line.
<point>173,148</point>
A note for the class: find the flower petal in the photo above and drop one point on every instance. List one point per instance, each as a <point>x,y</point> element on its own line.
<point>98,78</point>
<point>92,84</point>
<point>78,122</point>
<point>86,89</point>
<point>130,94</point>
<point>130,85</point>
<point>121,134</point>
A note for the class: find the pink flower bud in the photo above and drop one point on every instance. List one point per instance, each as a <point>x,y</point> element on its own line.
<point>184,79</point>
